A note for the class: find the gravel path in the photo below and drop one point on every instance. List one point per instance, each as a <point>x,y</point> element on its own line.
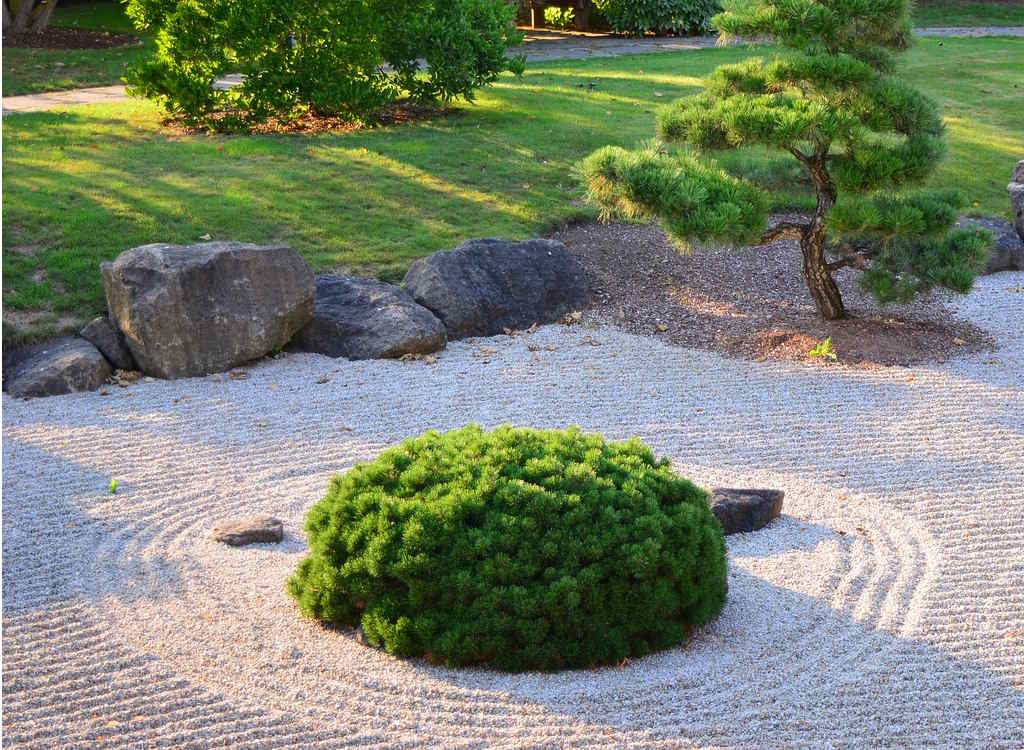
<point>886,607</point>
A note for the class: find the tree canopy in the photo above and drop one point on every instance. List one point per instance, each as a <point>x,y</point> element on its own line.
<point>829,98</point>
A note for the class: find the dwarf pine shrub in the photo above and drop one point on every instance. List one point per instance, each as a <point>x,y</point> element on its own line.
<point>520,549</point>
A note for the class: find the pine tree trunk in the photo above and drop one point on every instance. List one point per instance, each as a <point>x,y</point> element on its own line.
<point>819,279</point>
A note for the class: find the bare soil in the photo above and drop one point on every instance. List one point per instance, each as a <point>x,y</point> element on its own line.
<point>752,302</point>
<point>61,37</point>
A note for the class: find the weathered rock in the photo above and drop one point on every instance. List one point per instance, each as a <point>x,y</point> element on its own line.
<point>1016,188</point>
<point>368,319</point>
<point>255,530</point>
<point>198,309</point>
<point>745,510</point>
<point>64,365</point>
<point>485,286</point>
<point>1007,251</point>
<point>107,337</point>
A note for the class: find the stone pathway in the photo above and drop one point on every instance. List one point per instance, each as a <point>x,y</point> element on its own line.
<point>541,46</point>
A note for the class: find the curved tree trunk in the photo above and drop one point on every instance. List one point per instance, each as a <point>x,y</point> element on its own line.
<point>819,279</point>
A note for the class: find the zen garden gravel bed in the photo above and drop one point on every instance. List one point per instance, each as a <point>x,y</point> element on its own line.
<point>883,608</point>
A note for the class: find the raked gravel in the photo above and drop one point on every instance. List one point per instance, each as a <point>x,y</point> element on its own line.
<point>884,609</point>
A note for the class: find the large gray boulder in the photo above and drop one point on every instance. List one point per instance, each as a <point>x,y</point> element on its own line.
<point>189,310</point>
<point>1007,251</point>
<point>107,337</point>
<point>64,365</point>
<point>486,286</point>
<point>1016,188</point>
<point>367,319</point>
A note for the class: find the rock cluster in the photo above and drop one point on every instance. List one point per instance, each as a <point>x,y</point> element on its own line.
<point>187,310</point>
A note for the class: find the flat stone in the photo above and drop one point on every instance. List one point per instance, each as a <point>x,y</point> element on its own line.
<point>361,318</point>
<point>486,286</point>
<point>107,337</point>
<point>64,365</point>
<point>1007,251</point>
<point>255,530</point>
<point>188,310</point>
<point>744,510</point>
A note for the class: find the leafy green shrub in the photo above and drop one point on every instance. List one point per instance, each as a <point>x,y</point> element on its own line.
<point>344,58</point>
<point>658,16</point>
<point>522,549</point>
<point>559,18</point>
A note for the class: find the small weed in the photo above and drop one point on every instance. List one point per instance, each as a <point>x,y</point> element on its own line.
<point>825,351</point>
<point>113,486</point>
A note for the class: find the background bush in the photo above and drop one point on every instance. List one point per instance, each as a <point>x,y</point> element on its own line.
<point>522,549</point>
<point>320,56</point>
<point>658,16</point>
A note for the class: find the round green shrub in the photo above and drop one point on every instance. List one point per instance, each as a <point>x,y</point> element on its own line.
<point>339,58</point>
<point>518,548</point>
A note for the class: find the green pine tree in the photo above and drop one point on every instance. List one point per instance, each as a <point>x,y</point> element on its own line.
<point>864,138</point>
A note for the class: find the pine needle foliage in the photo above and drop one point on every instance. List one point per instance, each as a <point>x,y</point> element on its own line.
<point>866,140</point>
<point>520,549</point>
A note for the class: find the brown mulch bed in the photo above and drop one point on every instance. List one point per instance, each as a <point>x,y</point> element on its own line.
<point>752,302</point>
<point>398,113</point>
<point>61,37</point>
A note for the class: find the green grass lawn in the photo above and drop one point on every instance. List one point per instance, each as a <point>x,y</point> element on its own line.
<point>82,185</point>
<point>32,71</point>
<point>969,13</point>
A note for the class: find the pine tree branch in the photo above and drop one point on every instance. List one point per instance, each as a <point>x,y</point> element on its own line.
<point>855,258</point>
<point>790,230</point>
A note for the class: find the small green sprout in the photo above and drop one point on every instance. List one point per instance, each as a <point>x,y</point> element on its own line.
<point>113,486</point>
<point>825,350</point>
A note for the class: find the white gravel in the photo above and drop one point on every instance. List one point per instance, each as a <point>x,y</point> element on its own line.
<point>886,608</point>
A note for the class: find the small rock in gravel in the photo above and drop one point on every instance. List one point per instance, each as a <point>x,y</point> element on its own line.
<point>742,510</point>
<point>255,530</point>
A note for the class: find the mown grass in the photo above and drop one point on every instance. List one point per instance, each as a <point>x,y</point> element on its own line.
<point>969,13</point>
<point>33,71</point>
<point>82,185</point>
